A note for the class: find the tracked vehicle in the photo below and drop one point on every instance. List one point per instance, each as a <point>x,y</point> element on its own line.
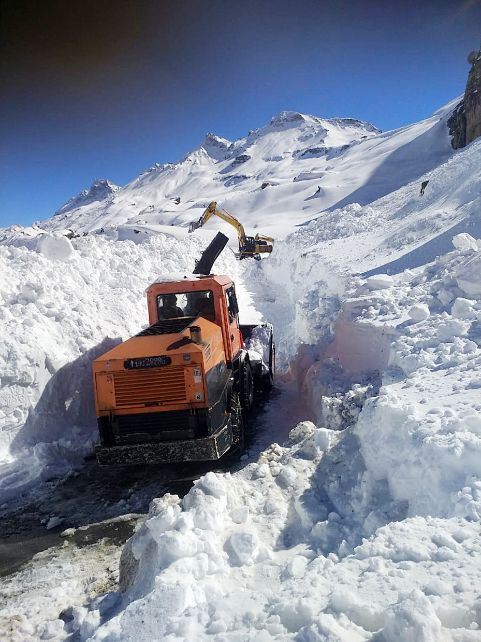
<point>249,246</point>
<point>180,389</point>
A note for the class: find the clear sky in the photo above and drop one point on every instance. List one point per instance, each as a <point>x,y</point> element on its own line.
<point>104,89</point>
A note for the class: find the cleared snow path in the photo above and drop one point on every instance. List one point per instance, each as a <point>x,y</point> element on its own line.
<point>303,302</point>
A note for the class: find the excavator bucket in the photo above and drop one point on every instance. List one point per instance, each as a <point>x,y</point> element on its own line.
<point>194,226</point>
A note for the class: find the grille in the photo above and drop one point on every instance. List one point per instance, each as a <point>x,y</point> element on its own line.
<point>166,326</point>
<point>150,386</point>
<point>167,422</point>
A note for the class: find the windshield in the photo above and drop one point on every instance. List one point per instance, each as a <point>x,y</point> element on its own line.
<point>186,304</point>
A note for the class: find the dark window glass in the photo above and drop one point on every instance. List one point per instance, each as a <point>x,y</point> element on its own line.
<point>189,304</point>
<point>232,306</point>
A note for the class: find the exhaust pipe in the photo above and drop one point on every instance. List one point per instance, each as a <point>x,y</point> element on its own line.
<point>196,333</point>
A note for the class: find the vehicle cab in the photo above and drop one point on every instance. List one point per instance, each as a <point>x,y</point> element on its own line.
<point>210,297</point>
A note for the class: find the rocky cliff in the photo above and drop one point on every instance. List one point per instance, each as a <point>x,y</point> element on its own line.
<point>465,123</point>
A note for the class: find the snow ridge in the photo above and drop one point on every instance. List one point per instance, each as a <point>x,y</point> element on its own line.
<point>99,190</point>
<point>335,162</point>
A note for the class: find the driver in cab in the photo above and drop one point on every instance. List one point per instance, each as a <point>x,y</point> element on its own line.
<point>169,308</point>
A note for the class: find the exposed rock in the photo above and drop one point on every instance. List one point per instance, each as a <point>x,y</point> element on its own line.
<point>242,158</point>
<point>217,147</point>
<point>472,101</point>
<point>465,122</point>
<point>457,127</point>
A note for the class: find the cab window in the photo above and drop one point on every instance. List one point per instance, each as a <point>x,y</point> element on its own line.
<point>186,304</point>
<point>232,307</point>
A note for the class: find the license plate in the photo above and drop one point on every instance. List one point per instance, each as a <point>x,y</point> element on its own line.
<point>147,362</point>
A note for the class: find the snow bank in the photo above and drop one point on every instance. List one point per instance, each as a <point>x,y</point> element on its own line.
<point>260,555</point>
<point>430,410</point>
<point>64,302</point>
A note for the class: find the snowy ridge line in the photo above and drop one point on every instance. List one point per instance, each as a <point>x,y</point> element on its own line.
<point>296,166</point>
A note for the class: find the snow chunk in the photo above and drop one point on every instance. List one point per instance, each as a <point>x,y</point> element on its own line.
<point>212,484</point>
<point>467,276</point>
<point>413,619</point>
<point>56,247</point>
<point>301,431</point>
<point>323,438</point>
<point>465,242</point>
<point>450,328</point>
<point>379,282</point>
<point>463,308</point>
<point>419,312</point>
<point>244,547</point>
<point>287,477</point>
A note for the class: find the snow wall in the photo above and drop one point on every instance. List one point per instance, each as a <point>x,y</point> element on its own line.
<point>338,534</point>
<point>63,303</point>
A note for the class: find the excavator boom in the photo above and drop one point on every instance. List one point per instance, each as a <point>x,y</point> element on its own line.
<point>249,246</point>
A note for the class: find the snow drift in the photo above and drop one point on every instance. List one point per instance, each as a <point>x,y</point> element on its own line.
<point>338,534</point>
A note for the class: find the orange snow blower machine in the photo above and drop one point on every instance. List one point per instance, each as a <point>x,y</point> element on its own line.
<point>178,391</point>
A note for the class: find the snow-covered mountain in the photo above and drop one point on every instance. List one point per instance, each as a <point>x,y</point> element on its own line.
<point>360,524</point>
<point>99,191</point>
<point>278,176</point>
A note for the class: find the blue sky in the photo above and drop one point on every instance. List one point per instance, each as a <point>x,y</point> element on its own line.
<point>97,89</point>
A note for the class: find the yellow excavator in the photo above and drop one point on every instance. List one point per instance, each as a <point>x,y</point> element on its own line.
<point>249,246</point>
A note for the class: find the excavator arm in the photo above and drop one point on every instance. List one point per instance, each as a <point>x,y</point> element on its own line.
<point>249,246</point>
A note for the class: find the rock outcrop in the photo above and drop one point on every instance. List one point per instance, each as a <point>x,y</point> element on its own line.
<point>465,122</point>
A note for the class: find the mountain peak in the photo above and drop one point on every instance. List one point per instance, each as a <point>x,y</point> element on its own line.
<point>216,146</point>
<point>98,191</point>
<point>287,118</point>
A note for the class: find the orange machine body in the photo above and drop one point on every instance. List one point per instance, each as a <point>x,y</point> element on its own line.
<point>163,395</point>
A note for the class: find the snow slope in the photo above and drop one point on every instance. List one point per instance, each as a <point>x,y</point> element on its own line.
<point>364,523</point>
